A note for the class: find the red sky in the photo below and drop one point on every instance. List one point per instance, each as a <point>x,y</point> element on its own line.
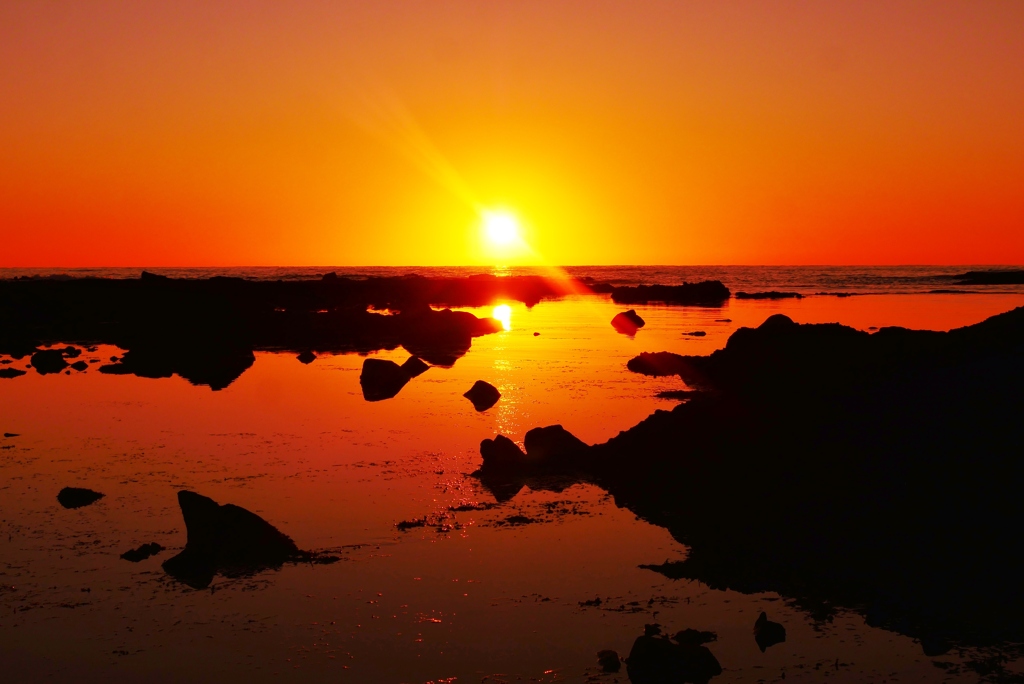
<point>332,133</point>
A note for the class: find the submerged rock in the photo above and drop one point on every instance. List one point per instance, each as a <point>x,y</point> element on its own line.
<point>142,553</point>
<point>306,357</point>
<point>768,633</point>
<point>608,660</point>
<point>229,540</point>
<point>77,497</point>
<point>483,395</point>
<point>47,361</point>
<point>627,322</point>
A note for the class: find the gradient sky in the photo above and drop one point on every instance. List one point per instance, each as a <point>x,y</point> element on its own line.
<point>315,133</point>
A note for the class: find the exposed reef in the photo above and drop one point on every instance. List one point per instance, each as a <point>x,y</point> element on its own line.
<point>992,277</point>
<point>206,330</point>
<point>874,472</point>
<point>772,294</point>
<point>230,541</point>
<point>704,293</point>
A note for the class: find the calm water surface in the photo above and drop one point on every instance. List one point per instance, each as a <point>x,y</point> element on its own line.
<point>469,597</point>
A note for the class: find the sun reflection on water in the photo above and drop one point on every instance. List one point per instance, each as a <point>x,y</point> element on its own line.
<point>503,312</point>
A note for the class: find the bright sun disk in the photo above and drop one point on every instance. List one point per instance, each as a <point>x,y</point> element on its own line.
<point>501,228</point>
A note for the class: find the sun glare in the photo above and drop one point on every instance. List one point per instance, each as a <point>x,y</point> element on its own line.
<point>501,228</point>
<point>503,312</point>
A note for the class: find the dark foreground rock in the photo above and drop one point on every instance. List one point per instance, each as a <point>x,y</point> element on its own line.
<point>48,361</point>
<point>11,372</point>
<point>307,357</point>
<point>77,497</point>
<point>483,395</point>
<point>230,541</point>
<point>993,277</point>
<point>768,633</point>
<point>704,293</point>
<point>608,661</point>
<point>627,322</point>
<point>844,470</point>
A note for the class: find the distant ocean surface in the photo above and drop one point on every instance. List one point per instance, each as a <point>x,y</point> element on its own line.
<point>803,279</point>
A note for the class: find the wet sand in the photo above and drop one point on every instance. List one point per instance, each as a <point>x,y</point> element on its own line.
<point>470,594</point>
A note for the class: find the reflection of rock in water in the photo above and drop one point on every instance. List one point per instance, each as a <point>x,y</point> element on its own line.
<point>483,395</point>
<point>228,540</point>
<point>657,659</point>
<point>215,365</point>
<point>77,497</point>
<point>875,472</point>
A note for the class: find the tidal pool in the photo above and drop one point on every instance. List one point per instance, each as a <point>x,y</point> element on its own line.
<point>491,592</point>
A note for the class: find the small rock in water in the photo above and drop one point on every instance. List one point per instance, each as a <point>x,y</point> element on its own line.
<point>409,524</point>
<point>627,322</point>
<point>608,660</point>
<point>76,497</point>
<point>142,553</point>
<point>723,320</point>
<point>768,633</point>
<point>381,379</point>
<point>306,357</point>
<point>536,334</point>
<point>11,434</point>
<point>10,372</point>
<point>695,333</point>
<point>414,366</point>
<point>79,365</point>
<point>483,395</point>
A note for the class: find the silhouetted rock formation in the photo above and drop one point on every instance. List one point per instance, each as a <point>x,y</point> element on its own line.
<point>79,366</point>
<point>768,633</point>
<point>842,469</point>
<point>48,361</point>
<point>484,395</point>
<point>704,293</point>
<point>627,322</point>
<point>207,329</point>
<point>382,379</point>
<point>230,541</point>
<point>77,497</point>
<point>773,294</point>
<point>994,277</point>
<point>142,553</point>
<point>656,659</point>
<point>307,357</point>
<point>696,333</point>
<point>11,372</point>
<point>544,445</point>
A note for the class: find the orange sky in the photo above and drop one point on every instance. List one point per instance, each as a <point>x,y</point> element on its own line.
<point>315,133</point>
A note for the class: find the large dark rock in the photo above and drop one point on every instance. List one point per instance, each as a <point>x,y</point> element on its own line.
<point>552,443</point>
<point>501,453</point>
<point>11,372</point>
<point>993,277</point>
<point>77,497</point>
<point>228,540</point>
<point>381,379</point>
<point>483,395</point>
<point>627,322</point>
<point>306,357</point>
<point>47,361</point>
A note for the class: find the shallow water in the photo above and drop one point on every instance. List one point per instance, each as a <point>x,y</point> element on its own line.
<point>467,597</point>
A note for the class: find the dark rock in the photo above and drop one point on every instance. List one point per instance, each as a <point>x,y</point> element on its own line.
<point>414,367</point>
<point>146,276</point>
<point>71,352</point>
<point>142,553</point>
<point>693,637</point>
<point>381,379</point>
<point>627,322</point>
<point>768,633</point>
<point>723,320</point>
<point>48,361</point>
<point>676,394</point>
<point>657,364</point>
<point>410,524</point>
<point>536,334</point>
<point>79,365</point>
<point>10,372</point>
<point>705,293</point>
<point>11,434</point>
<point>696,333</point>
<point>773,294</point>
<point>993,277</point>
<point>547,444</point>
<point>306,357</point>
<point>515,520</point>
<point>483,395</point>
<point>608,661</point>
<point>656,659</point>
<point>115,359</point>
<point>215,365</point>
<point>77,497</point>
<point>231,541</point>
<point>501,452</point>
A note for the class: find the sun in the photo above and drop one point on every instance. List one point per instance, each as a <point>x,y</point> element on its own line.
<point>501,228</point>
